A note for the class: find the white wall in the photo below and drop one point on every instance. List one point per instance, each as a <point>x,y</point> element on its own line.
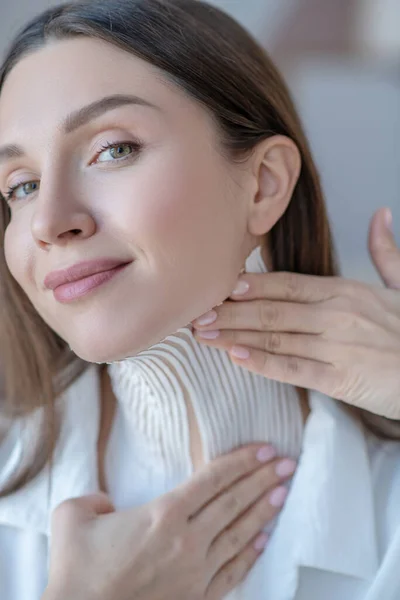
<point>352,116</point>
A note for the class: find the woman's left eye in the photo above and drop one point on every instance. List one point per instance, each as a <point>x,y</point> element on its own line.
<point>119,151</point>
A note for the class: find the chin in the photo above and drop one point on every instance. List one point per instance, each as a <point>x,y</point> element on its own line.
<point>97,353</point>
<point>100,339</point>
<point>111,346</point>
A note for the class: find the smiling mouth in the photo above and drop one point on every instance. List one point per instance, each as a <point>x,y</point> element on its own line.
<point>71,291</point>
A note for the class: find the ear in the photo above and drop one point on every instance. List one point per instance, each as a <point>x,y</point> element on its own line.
<point>276,165</point>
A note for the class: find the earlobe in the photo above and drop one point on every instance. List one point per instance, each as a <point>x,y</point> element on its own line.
<point>276,165</point>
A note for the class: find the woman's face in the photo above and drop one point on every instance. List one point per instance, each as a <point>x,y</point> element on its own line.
<point>160,215</point>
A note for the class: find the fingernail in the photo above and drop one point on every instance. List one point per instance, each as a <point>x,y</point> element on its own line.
<point>241,288</point>
<point>278,496</point>
<point>206,319</point>
<point>261,542</point>
<point>208,335</point>
<point>266,453</point>
<point>239,352</point>
<point>286,467</point>
<point>388,219</point>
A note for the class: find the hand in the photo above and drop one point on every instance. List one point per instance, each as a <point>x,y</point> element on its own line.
<point>197,542</point>
<point>337,336</point>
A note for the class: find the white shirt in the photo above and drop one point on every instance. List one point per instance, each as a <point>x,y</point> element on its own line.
<point>337,538</point>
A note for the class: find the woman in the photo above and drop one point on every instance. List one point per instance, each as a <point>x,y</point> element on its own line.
<point>85,514</point>
<point>210,115</point>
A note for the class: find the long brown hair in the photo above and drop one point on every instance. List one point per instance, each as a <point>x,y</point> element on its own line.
<point>214,60</point>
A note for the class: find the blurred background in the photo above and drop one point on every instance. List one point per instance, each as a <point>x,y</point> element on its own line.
<point>341,59</point>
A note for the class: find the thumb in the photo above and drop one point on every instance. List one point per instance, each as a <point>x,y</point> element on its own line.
<point>78,510</point>
<point>383,250</point>
<point>94,505</point>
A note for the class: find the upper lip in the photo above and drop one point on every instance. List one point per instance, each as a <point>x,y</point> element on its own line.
<point>80,271</point>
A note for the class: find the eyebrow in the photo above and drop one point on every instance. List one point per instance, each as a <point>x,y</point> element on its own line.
<point>82,117</point>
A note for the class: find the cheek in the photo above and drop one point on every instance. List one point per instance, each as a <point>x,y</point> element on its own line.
<point>188,224</point>
<point>175,204</point>
<point>18,251</point>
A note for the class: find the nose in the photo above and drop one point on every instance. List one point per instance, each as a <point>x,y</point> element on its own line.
<point>58,221</point>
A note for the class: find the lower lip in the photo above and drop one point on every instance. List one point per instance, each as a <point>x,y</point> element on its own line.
<point>68,292</point>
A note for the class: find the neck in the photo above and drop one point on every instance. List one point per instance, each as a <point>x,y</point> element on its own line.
<point>188,403</point>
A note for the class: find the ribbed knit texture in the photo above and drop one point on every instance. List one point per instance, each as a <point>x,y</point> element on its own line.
<point>232,406</point>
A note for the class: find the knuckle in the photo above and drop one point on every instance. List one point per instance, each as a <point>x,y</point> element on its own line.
<point>216,481</point>
<point>236,336</point>
<point>273,342</point>
<point>244,565</point>
<point>350,318</point>
<point>229,313</point>
<point>351,305</point>
<point>268,314</point>
<point>338,303</point>
<point>230,577</point>
<point>165,511</point>
<point>293,366</point>
<point>339,320</point>
<point>184,545</point>
<point>291,285</point>
<point>353,288</point>
<point>233,540</point>
<point>247,460</point>
<point>347,310</point>
<point>265,363</point>
<point>232,503</point>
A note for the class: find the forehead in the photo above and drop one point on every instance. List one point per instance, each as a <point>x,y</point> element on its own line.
<point>65,75</point>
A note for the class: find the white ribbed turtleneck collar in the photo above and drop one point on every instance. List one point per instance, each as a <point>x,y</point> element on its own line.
<point>232,406</point>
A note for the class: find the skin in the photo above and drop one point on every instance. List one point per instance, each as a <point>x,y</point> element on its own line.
<point>186,215</point>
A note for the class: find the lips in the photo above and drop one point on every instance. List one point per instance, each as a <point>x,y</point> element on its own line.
<point>71,284</point>
<point>80,271</point>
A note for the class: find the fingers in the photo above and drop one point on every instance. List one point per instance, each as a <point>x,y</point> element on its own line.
<point>265,315</point>
<point>234,572</point>
<point>218,475</point>
<point>290,344</point>
<point>290,287</point>
<point>227,507</point>
<point>233,540</point>
<point>383,250</point>
<point>296,371</point>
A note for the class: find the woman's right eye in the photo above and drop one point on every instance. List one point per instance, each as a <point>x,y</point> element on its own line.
<point>136,147</point>
<point>11,192</point>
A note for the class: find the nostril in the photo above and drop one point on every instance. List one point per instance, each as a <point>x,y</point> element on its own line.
<point>76,231</point>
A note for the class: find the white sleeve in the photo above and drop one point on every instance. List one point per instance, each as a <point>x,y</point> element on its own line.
<point>23,564</point>
<point>23,553</point>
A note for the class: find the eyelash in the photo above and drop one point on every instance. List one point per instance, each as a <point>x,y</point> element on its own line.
<point>136,146</point>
